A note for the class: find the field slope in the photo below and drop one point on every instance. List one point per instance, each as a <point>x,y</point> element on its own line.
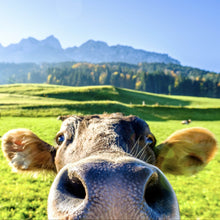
<point>47,100</point>
<point>36,107</point>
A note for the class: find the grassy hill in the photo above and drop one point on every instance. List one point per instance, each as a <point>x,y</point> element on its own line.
<point>35,100</point>
<point>25,197</point>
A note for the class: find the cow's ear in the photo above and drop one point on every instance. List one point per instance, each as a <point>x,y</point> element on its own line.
<point>26,152</point>
<point>63,117</point>
<point>186,151</point>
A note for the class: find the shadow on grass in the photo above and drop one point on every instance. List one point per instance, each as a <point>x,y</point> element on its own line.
<point>136,97</point>
<point>116,94</point>
<point>152,113</point>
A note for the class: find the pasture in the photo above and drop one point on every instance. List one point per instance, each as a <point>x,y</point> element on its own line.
<point>37,106</point>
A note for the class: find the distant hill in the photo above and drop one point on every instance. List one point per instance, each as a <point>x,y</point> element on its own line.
<point>50,50</point>
<point>37,100</point>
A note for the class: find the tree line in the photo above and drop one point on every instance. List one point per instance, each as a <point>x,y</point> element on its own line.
<point>160,78</point>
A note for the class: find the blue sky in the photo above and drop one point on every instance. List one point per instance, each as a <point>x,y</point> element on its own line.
<point>187,30</point>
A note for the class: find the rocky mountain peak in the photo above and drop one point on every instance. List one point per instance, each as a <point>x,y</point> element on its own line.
<point>50,50</point>
<point>51,41</point>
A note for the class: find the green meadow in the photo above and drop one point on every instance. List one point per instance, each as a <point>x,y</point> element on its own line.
<point>36,107</point>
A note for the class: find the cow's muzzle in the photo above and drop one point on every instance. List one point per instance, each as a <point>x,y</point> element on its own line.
<point>104,189</point>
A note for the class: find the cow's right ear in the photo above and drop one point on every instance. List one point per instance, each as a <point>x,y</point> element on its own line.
<point>26,152</point>
<point>63,117</point>
<point>186,151</point>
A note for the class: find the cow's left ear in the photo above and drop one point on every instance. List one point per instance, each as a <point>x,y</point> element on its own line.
<point>27,152</point>
<point>186,152</point>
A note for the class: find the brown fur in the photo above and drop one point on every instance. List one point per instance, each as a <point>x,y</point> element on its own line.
<point>186,151</point>
<point>63,117</point>
<point>26,151</point>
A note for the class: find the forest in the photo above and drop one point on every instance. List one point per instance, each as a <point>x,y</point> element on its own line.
<point>160,78</point>
<point>172,79</point>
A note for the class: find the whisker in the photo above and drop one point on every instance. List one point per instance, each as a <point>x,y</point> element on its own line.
<point>136,151</point>
<point>126,149</point>
<point>141,151</point>
<point>142,157</point>
<point>133,148</point>
<point>148,159</point>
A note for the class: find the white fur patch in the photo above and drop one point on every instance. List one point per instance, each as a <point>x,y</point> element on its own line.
<point>20,161</point>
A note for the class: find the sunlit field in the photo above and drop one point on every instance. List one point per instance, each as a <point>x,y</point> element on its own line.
<point>36,107</point>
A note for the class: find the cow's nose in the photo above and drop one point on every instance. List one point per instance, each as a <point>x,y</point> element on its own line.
<point>106,190</point>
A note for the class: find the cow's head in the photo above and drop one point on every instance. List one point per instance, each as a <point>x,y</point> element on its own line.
<point>108,166</point>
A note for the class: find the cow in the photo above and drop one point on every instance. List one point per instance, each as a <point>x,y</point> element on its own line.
<point>186,122</point>
<point>109,167</point>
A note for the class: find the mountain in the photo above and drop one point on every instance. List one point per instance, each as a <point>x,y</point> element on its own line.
<point>32,50</point>
<point>50,50</point>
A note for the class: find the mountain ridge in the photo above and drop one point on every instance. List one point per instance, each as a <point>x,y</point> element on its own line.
<point>50,50</point>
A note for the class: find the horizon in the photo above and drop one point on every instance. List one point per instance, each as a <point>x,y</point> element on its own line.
<point>52,35</point>
<point>185,30</point>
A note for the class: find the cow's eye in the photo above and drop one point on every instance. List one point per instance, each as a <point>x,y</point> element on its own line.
<point>150,140</point>
<point>60,138</point>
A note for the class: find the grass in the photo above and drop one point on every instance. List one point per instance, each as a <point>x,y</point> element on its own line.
<point>198,195</point>
<point>25,197</point>
<point>100,93</point>
<point>36,100</point>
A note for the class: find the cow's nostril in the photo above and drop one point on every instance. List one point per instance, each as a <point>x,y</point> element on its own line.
<point>71,186</point>
<point>67,194</point>
<point>75,188</point>
<point>159,195</point>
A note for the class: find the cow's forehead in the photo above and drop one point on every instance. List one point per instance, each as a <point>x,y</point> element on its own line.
<point>105,124</point>
<point>74,121</point>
